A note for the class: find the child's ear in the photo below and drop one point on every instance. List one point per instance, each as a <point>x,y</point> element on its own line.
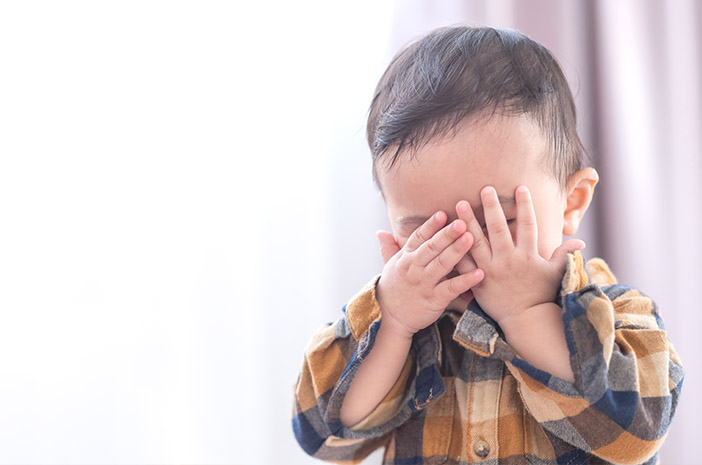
<point>581,186</point>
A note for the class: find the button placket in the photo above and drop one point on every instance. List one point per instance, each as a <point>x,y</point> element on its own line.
<point>483,411</point>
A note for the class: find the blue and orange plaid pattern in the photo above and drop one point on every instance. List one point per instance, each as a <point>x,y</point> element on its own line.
<point>465,397</point>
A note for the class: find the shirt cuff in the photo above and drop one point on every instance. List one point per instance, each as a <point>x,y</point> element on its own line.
<point>363,310</point>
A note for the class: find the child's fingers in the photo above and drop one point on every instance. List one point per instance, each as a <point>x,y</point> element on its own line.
<point>446,261</point>
<point>527,231</point>
<point>432,248</point>
<point>495,222</point>
<point>481,247</point>
<point>388,245</point>
<point>465,265</point>
<point>449,289</point>
<point>559,255</point>
<point>426,231</point>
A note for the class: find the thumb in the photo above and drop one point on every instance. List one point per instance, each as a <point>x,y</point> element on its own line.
<point>388,245</point>
<point>559,255</point>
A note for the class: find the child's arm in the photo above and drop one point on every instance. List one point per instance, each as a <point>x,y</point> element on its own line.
<point>520,286</point>
<point>377,374</point>
<point>412,292</point>
<point>618,380</point>
<point>339,354</point>
<point>628,376</point>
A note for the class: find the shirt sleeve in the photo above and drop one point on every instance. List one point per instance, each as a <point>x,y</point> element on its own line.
<point>331,361</point>
<point>628,376</point>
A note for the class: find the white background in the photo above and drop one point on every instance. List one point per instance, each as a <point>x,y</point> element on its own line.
<point>170,233</point>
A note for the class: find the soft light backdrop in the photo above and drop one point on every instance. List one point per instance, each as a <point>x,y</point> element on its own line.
<point>185,196</point>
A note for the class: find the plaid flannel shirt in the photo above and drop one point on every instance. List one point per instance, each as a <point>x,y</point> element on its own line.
<point>465,397</point>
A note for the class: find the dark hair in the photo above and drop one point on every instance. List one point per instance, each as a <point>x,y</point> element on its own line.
<point>458,72</point>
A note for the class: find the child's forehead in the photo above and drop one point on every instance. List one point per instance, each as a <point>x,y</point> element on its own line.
<point>476,144</point>
<point>502,152</point>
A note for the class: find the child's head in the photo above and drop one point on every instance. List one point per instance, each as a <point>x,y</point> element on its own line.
<point>458,73</point>
<point>463,108</point>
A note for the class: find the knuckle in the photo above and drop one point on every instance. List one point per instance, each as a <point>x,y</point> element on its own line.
<point>452,286</point>
<point>489,203</point>
<point>404,265</point>
<point>471,221</point>
<point>432,247</point>
<point>414,274</point>
<point>441,262</point>
<point>421,234</point>
<point>523,199</point>
<point>528,220</point>
<point>498,229</point>
<point>479,243</point>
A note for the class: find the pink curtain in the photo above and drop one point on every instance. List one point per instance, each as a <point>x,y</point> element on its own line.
<point>636,72</point>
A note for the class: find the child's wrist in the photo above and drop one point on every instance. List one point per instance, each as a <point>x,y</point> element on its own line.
<point>528,318</point>
<point>390,327</point>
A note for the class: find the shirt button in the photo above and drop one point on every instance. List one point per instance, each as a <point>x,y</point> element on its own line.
<point>481,448</point>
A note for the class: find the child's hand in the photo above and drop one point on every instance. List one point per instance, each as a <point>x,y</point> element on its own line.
<point>414,289</point>
<point>517,278</point>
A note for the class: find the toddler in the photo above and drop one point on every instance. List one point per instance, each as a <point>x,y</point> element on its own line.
<point>485,339</point>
